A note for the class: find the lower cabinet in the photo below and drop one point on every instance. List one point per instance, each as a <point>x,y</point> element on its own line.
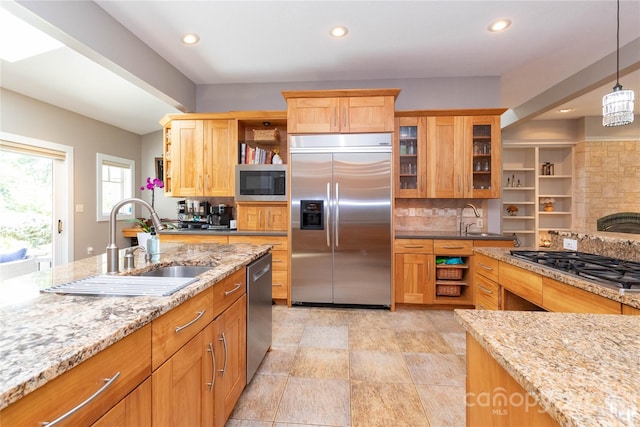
<point>132,411</point>
<point>414,271</point>
<point>201,383</point>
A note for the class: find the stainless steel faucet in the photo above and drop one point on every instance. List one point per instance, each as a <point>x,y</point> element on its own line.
<point>112,249</point>
<point>475,211</point>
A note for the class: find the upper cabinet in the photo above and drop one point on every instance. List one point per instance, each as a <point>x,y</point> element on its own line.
<point>199,156</point>
<point>341,111</point>
<point>448,154</point>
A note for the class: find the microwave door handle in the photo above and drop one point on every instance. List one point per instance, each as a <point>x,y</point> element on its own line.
<point>337,238</point>
<point>327,211</point>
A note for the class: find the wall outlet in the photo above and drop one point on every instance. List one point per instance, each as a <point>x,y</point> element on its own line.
<point>479,222</point>
<point>570,244</point>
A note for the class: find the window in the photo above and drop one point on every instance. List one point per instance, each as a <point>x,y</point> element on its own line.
<point>114,183</point>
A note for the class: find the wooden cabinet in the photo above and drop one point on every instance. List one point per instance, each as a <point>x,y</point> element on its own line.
<point>340,111</point>
<point>280,261</point>
<point>485,282</point>
<point>113,371</point>
<point>183,387</point>
<point>132,411</point>
<point>194,238</point>
<point>526,284</point>
<point>453,281</point>
<point>628,310</point>
<point>557,296</point>
<point>262,216</point>
<point>414,271</point>
<point>448,154</point>
<point>230,343</point>
<point>491,394</point>
<point>410,157</point>
<point>202,156</point>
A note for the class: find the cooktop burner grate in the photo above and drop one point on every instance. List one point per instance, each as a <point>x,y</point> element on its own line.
<point>621,273</point>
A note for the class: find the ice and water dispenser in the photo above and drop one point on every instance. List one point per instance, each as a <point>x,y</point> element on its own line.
<point>311,215</point>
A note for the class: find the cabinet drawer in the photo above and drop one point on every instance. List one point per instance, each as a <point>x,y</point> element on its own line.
<point>228,290</point>
<point>129,358</point>
<point>279,243</point>
<point>521,282</point>
<point>453,247</point>
<point>486,266</point>
<point>487,293</point>
<point>413,246</point>
<point>193,238</point>
<point>557,296</point>
<point>280,260</point>
<point>280,285</point>
<point>173,329</point>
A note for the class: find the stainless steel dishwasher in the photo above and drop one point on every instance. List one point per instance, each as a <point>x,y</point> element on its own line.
<point>259,316</point>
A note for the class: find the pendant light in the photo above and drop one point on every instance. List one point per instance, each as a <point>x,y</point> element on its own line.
<point>617,106</point>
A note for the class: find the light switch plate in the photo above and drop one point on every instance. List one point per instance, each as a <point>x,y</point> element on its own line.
<point>570,244</point>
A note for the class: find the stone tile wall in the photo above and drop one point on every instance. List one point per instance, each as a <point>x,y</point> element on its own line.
<point>607,180</point>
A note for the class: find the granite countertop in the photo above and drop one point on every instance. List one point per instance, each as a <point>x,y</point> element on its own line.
<point>607,291</point>
<point>448,235</point>
<point>223,232</point>
<point>44,335</point>
<point>583,369</point>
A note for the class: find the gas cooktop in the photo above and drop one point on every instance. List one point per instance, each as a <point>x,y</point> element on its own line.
<point>611,271</point>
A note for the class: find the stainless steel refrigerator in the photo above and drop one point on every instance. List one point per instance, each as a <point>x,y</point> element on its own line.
<point>341,219</point>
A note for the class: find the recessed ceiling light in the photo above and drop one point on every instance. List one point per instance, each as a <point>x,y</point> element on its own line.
<point>565,110</point>
<point>190,38</point>
<point>500,25</point>
<point>339,31</point>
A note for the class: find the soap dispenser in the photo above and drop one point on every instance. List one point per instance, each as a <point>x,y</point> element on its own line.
<point>153,246</point>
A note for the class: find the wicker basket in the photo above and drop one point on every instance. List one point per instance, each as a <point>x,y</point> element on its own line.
<point>266,134</point>
<point>448,273</point>
<point>448,290</point>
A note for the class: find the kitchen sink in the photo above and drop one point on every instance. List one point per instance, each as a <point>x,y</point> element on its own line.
<point>178,271</point>
<point>484,234</point>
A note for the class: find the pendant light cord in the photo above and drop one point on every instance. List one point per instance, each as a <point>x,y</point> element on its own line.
<point>618,47</point>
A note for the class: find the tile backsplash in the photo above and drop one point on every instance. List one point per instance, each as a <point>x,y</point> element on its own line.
<point>437,214</point>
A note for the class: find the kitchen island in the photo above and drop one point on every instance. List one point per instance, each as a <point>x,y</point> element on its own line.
<point>46,335</point>
<point>581,369</point>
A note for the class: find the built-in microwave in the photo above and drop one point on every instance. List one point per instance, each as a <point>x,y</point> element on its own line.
<point>261,183</point>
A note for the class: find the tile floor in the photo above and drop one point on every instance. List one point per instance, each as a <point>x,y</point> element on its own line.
<point>357,367</point>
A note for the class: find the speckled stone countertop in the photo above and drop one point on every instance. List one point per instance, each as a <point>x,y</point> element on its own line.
<point>611,292</point>
<point>448,235</point>
<point>583,369</point>
<point>44,335</point>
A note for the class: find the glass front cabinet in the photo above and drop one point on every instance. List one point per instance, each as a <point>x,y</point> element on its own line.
<point>485,151</point>
<point>410,157</point>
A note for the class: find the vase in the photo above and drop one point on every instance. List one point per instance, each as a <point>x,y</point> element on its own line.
<point>142,239</point>
<point>512,213</point>
<point>548,207</point>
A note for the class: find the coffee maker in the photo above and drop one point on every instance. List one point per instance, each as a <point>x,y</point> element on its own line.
<point>193,214</point>
<point>219,216</point>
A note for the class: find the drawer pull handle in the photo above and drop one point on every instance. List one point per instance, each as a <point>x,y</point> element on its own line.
<point>108,382</point>
<point>413,246</point>
<point>275,243</point>
<point>453,247</point>
<point>275,261</point>
<point>238,286</point>
<point>276,284</point>
<point>486,267</point>
<point>213,372</point>
<point>482,288</point>
<point>223,338</point>
<point>200,314</point>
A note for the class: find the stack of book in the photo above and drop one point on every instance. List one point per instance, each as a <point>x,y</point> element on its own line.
<point>254,156</point>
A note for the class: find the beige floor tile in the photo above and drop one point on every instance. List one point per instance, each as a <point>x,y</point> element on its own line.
<point>411,320</point>
<point>435,369</point>
<point>247,423</point>
<point>259,400</point>
<point>370,319</point>
<point>445,406</point>
<point>443,321</point>
<point>287,334</point>
<point>294,315</point>
<point>384,404</point>
<point>328,317</point>
<point>321,363</point>
<point>378,366</point>
<point>278,361</point>
<point>422,342</point>
<point>457,341</point>
<point>325,337</point>
<point>372,339</point>
<point>315,401</point>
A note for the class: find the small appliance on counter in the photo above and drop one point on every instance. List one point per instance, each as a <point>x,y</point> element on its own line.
<point>219,217</point>
<point>193,214</point>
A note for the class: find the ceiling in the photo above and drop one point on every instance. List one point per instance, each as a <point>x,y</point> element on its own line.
<point>549,42</point>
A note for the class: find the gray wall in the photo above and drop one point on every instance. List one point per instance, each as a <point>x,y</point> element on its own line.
<point>28,117</point>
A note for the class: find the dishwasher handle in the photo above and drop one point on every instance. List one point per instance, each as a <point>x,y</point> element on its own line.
<point>258,274</point>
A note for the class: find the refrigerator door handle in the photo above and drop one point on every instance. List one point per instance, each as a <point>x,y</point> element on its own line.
<point>327,212</point>
<point>337,221</point>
